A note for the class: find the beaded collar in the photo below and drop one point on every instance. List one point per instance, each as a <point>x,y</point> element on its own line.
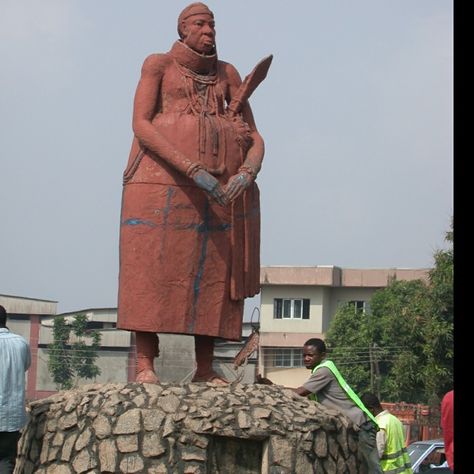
<point>204,64</point>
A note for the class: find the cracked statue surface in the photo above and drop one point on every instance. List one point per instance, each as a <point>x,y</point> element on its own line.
<point>190,219</point>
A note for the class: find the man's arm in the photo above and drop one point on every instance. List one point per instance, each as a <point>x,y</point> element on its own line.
<point>301,391</point>
<point>314,384</point>
<point>28,357</point>
<point>381,441</point>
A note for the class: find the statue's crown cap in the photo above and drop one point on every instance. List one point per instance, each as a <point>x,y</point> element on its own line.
<point>196,8</point>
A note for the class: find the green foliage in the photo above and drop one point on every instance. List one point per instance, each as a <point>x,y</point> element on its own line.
<point>408,335</point>
<point>438,327</point>
<point>349,339</point>
<point>398,311</point>
<point>71,356</point>
<point>58,362</point>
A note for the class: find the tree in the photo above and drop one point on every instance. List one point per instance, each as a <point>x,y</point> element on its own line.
<point>348,338</point>
<point>403,347</point>
<point>70,355</point>
<point>398,312</point>
<point>438,328</point>
<point>380,349</point>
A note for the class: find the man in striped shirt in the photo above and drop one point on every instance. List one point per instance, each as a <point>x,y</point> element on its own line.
<point>15,360</point>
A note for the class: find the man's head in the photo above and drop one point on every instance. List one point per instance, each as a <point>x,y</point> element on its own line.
<point>314,351</point>
<point>196,28</point>
<point>3,317</point>
<point>372,403</point>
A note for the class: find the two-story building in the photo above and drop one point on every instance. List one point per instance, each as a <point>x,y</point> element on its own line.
<point>298,303</point>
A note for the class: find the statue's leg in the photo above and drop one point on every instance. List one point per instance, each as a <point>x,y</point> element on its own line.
<point>147,350</point>
<point>204,346</point>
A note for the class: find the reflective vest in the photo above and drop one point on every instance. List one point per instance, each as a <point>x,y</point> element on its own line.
<point>345,386</point>
<point>395,459</point>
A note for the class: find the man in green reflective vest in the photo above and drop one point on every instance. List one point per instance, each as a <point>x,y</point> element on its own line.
<point>327,386</point>
<point>393,454</point>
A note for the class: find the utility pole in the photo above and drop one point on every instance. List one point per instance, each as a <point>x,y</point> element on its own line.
<point>377,371</point>
<point>371,369</point>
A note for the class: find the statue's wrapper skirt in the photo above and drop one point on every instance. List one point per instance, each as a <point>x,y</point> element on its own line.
<point>186,263</point>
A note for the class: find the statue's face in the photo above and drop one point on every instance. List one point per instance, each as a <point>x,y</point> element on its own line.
<point>199,33</point>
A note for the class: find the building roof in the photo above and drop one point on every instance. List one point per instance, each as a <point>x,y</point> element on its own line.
<point>104,315</point>
<point>102,309</point>
<point>22,305</point>
<point>330,275</point>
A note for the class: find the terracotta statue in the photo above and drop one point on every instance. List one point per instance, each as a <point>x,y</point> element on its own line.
<point>190,221</point>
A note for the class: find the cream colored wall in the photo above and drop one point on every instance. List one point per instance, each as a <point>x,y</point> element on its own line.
<point>311,325</point>
<point>43,379</point>
<point>113,366</point>
<point>20,327</point>
<point>288,377</point>
<point>344,295</point>
<point>326,308</point>
<point>110,337</point>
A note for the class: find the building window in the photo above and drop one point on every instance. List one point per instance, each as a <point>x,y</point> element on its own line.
<point>359,305</point>
<point>287,357</point>
<point>100,325</point>
<point>289,308</point>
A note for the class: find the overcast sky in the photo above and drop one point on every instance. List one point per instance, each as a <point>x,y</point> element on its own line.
<point>356,114</point>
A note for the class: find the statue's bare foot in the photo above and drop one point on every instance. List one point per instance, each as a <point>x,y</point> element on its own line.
<point>219,380</point>
<point>147,376</point>
<point>211,377</point>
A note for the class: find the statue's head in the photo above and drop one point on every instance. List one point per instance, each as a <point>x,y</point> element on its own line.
<point>196,28</point>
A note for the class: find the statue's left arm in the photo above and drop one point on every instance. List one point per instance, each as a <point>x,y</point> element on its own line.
<point>254,156</point>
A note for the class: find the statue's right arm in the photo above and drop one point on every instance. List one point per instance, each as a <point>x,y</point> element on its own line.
<point>144,109</point>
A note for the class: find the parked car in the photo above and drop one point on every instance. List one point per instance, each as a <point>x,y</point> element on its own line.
<point>428,456</point>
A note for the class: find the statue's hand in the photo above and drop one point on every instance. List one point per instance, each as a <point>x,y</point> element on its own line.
<point>243,131</point>
<point>263,380</point>
<point>237,184</point>
<point>210,184</point>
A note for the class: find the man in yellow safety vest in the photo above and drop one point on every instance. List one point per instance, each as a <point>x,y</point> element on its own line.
<point>393,454</point>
